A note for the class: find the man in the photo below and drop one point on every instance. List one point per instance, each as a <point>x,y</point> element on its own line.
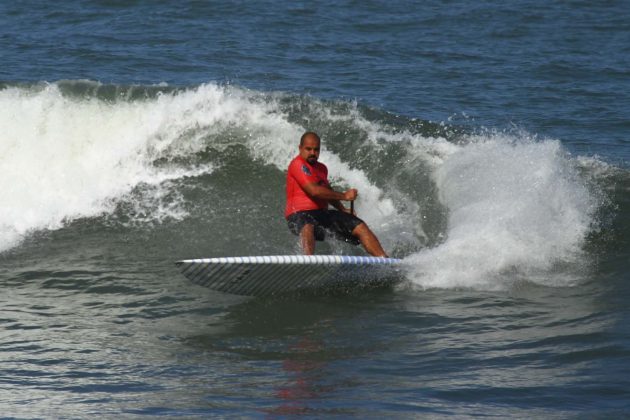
<point>308,197</point>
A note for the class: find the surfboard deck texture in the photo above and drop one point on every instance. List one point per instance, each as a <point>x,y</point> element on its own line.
<point>279,274</point>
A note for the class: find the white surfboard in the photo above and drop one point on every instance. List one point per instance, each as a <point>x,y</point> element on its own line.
<point>272,275</point>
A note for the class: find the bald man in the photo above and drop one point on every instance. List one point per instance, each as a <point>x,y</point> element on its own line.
<point>308,198</point>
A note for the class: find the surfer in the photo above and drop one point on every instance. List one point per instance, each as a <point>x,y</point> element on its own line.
<point>308,197</point>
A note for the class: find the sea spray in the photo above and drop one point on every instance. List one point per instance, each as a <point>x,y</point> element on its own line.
<point>514,205</point>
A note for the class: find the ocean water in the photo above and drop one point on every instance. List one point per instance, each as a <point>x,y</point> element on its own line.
<point>489,142</point>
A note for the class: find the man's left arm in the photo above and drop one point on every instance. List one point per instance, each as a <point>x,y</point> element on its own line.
<point>338,205</point>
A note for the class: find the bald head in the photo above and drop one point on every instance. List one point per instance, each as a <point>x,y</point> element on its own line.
<point>309,135</point>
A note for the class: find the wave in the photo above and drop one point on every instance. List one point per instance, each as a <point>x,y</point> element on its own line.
<point>462,208</point>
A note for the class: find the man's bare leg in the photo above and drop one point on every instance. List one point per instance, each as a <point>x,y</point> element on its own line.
<point>368,240</point>
<point>307,239</point>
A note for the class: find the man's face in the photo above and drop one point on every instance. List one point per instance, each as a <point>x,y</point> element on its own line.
<point>309,150</point>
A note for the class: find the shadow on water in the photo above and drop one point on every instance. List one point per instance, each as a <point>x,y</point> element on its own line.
<point>303,340</point>
<point>292,317</point>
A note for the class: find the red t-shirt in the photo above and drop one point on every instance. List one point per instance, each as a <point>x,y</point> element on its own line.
<point>301,173</point>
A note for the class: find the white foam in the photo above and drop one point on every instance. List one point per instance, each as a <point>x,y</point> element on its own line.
<point>64,158</point>
<point>515,205</point>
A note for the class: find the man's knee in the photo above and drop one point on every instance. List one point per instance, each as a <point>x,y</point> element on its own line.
<point>308,229</point>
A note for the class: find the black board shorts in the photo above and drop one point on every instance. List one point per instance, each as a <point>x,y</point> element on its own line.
<point>334,222</point>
